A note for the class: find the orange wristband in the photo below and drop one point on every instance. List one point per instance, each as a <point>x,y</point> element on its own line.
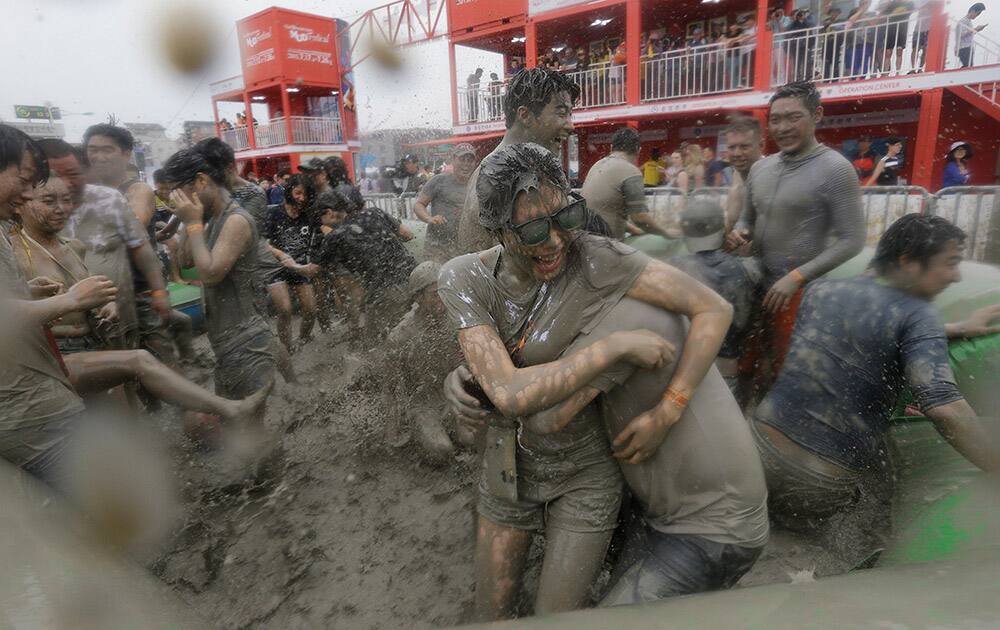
<point>676,397</point>
<point>795,273</point>
<point>194,228</point>
<point>158,292</point>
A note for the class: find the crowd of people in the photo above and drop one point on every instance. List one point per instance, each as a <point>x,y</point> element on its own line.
<point>724,389</point>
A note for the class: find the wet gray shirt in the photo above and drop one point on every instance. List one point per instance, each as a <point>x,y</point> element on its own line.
<point>804,212</point>
<point>856,344</point>
<point>614,190</point>
<point>108,228</point>
<point>538,326</point>
<point>447,195</point>
<point>35,394</point>
<point>252,199</point>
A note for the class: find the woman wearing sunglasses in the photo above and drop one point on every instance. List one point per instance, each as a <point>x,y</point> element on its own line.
<point>518,307</point>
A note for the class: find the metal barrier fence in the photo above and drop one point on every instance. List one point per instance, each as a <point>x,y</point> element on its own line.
<point>600,84</point>
<point>975,209</point>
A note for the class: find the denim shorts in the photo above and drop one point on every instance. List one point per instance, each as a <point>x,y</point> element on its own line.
<point>680,564</point>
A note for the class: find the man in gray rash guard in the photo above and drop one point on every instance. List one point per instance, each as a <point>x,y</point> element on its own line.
<point>821,429</point>
<point>614,188</point>
<point>803,209</point>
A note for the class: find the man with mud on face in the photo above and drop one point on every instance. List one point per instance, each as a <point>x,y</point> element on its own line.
<point>538,108</point>
<point>519,306</point>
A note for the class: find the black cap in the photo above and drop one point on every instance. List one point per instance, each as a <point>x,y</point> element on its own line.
<point>313,165</point>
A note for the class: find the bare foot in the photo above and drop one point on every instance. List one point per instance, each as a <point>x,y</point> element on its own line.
<point>246,408</point>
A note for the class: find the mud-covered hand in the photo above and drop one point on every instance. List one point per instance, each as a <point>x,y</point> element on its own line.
<point>160,303</point>
<point>781,293</point>
<point>466,407</point>
<point>188,208</point>
<point>108,312</point>
<point>737,238</point>
<point>438,219</point>
<point>43,287</point>
<point>645,348</point>
<point>645,433</point>
<point>980,322</point>
<point>92,292</point>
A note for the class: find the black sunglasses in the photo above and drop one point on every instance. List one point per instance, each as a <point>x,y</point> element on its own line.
<point>570,217</point>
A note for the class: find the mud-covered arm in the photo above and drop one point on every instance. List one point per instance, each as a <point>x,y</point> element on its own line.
<point>213,264</point>
<point>521,391</point>
<point>555,418</point>
<point>668,288</point>
<point>958,425</point>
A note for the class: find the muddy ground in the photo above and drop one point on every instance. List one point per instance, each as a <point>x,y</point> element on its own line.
<point>346,532</point>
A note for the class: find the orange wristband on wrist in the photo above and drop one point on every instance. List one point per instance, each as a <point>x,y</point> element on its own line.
<point>676,397</point>
<point>194,228</point>
<point>158,292</point>
<point>795,273</point>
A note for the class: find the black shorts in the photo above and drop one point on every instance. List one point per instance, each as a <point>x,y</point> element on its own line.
<point>290,278</point>
<point>895,36</point>
<point>920,39</point>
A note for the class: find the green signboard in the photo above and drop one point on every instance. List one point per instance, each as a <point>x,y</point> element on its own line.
<point>37,112</point>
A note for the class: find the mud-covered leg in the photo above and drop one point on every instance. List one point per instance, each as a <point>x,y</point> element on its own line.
<point>500,556</point>
<point>572,562</point>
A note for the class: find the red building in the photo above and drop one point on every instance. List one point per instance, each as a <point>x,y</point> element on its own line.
<point>684,90</point>
<point>295,91</point>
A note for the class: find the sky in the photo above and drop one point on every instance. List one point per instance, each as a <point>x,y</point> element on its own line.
<point>103,57</point>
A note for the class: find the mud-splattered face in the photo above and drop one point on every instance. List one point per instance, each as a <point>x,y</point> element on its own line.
<point>791,124</point>
<point>429,301</point>
<point>546,260</point>
<point>553,124</point>
<point>942,270</point>
<point>69,168</point>
<point>107,159</point>
<point>50,209</point>
<point>464,165</point>
<point>17,186</point>
<point>744,150</point>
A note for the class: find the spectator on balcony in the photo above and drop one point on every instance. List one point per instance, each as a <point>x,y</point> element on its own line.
<point>515,66</point>
<point>832,43</point>
<point>732,72</point>
<point>276,196</point>
<point>859,42</point>
<point>614,188</point>
<point>617,73</point>
<point>965,34</point>
<point>778,22</point>
<point>918,46</point>
<point>956,171</point>
<point>802,47</point>
<point>225,125</point>
<point>538,108</point>
<point>896,16</point>
<point>241,120</point>
<point>439,204</point>
<point>472,85</point>
<point>803,209</point>
<point>582,59</point>
<point>496,94</point>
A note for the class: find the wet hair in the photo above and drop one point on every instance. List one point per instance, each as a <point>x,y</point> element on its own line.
<point>333,200</point>
<point>299,179</point>
<point>626,140</point>
<point>654,154</point>
<point>501,173</point>
<point>336,170</point>
<point>534,88</point>
<point>13,144</point>
<point>805,91</point>
<point>744,124</point>
<point>57,148</point>
<point>891,140</point>
<point>916,236</point>
<point>182,167</point>
<point>158,177</point>
<point>217,153</point>
<point>979,7</point>
<point>121,136</point>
